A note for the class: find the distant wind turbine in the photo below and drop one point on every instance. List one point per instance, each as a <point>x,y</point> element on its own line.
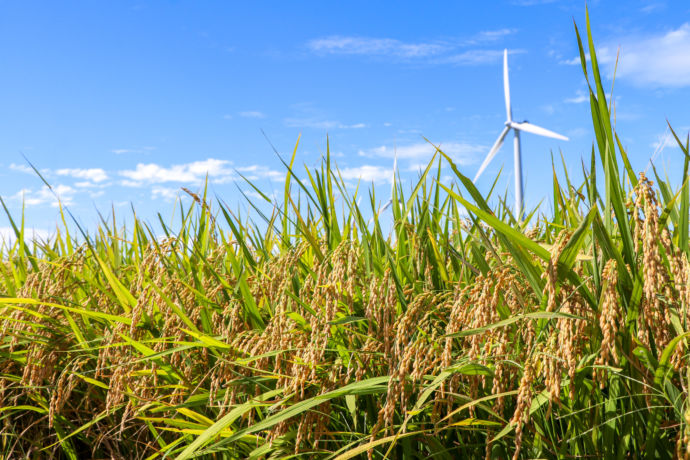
<point>390,202</point>
<point>516,127</point>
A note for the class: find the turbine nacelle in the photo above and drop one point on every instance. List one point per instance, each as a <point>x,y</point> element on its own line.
<point>534,129</point>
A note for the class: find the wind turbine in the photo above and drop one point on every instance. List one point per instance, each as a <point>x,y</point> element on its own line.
<point>516,127</point>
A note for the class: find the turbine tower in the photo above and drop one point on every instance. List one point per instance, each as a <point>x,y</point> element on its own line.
<point>516,127</point>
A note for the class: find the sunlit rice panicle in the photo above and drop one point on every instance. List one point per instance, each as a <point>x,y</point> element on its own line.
<point>676,292</point>
<point>533,232</point>
<point>654,319</point>
<point>66,383</point>
<point>551,270</point>
<point>610,320</point>
<point>524,399</point>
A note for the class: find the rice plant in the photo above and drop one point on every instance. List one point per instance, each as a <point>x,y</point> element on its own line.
<point>312,332</point>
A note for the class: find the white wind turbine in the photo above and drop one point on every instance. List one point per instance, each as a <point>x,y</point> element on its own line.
<point>516,127</point>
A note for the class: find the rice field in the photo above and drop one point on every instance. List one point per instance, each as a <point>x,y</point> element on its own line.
<point>312,332</point>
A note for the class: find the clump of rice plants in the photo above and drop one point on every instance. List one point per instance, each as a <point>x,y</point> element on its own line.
<point>313,333</point>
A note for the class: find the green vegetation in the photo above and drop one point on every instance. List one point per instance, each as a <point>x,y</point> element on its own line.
<point>311,333</point>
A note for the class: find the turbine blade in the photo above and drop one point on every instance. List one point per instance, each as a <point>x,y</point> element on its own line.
<point>380,211</point>
<point>534,129</point>
<point>385,206</point>
<point>492,153</point>
<point>506,86</point>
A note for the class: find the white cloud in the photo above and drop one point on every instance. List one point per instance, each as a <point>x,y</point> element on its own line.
<point>124,151</point>
<point>582,96</point>
<point>252,114</point>
<point>8,237</point>
<point>44,195</point>
<point>316,123</point>
<point>417,167</point>
<point>194,172</point>
<point>435,51</point>
<point>579,98</point>
<point>491,35</point>
<point>24,168</point>
<point>660,60</point>
<point>165,193</point>
<point>462,153</point>
<point>374,46</point>
<point>476,57</point>
<point>664,141</point>
<point>368,173</point>
<point>256,172</point>
<point>254,194</point>
<point>91,174</point>
<point>575,61</point>
<point>218,171</point>
<point>652,7</point>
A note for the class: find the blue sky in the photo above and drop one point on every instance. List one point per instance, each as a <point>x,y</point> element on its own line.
<point>127,102</point>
